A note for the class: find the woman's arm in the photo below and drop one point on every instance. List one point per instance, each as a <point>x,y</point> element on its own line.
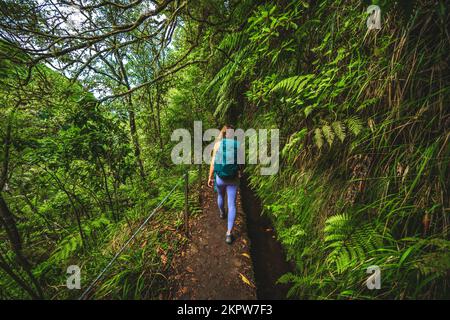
<point>211,166</point>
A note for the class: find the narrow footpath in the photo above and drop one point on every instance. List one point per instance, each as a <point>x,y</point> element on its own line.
<point>208,268</point>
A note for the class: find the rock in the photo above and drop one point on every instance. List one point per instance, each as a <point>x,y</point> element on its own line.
<point>237,262</point>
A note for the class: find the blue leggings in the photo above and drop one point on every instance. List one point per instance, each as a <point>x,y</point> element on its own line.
<point>231,189</point>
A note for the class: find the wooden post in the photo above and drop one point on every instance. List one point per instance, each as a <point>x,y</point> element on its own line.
<point>200,183</point>
<point>186,203</point>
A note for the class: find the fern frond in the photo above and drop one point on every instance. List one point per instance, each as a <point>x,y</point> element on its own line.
<point>292,235</point>
<point>354,125</point>
<point>231,41</point>
<point>328,134</point>
<point>350,244</point>
<point>339,130</point>
<point>293,84</point>
<point>223,73</point>
<point>318,138</point>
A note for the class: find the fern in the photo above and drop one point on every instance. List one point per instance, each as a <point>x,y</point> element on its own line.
<point>354,125</point>
<point>231,41</point>
<point>350,244</point>
<point>318,138</point>
<point>292,235</point>
<point>293,84</point>
<point>339,130</point>
<point>328,134</point>
<point>71,244</point>
<point>225,73</point>
<point>293,144</point>
<point>299,282</point>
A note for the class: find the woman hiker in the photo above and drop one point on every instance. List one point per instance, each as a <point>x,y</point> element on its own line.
<point>224,174</point>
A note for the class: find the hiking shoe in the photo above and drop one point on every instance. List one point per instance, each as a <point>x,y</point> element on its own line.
<point>222,215</point>
<point>229,239</point>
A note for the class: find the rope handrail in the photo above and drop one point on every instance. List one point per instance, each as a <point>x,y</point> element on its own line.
<point>83,295</point>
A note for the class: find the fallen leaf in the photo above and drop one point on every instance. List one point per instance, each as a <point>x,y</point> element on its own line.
<point>163,259</point>
<point>189,269</point>
<point>245,280</point>
<point>246,255</point>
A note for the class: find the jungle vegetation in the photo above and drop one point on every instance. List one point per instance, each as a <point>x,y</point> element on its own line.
<point>91,91</point>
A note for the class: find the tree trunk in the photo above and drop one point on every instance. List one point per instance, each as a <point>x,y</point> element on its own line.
<point>135,139</point>
<point>73,205</point>
<point>7,221</point>
<point>108,194</point>
<point>9,271</point>
<point>131,116</point>
<point>158,110</point>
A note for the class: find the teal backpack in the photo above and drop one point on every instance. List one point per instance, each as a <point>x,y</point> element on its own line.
<point>227,151</point>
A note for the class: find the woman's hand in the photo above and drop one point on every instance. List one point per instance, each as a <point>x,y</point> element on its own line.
<point>210,181</point>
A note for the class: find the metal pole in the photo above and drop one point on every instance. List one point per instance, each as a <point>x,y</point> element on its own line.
<point>200,183</point>
<point>186,203</point>
<point>129,240</point>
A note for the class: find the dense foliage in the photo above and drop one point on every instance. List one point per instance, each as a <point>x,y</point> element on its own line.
<point>74,193</point>
<point>363,118</point>
<point>364,115</point>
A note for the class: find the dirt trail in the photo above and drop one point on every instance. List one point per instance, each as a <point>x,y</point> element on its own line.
<point>210,269</point>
